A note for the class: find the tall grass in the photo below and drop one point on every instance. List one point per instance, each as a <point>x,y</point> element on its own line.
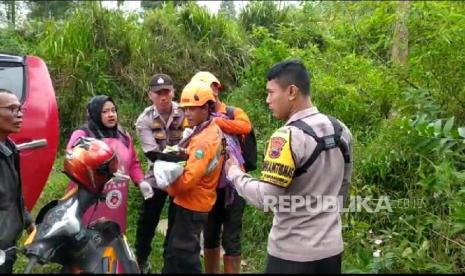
<point>97,51</point>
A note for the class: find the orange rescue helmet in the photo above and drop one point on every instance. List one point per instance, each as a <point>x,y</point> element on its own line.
<point>196,93</point>
<point>208,78</point>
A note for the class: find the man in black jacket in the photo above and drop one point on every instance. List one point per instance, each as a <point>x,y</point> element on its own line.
<point>13,215</point>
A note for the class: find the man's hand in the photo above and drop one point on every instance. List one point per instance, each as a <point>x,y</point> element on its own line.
<point>182,151</point>
<point>146,189</point>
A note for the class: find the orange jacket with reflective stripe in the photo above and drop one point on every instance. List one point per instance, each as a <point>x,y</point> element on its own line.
<point>195,189</point>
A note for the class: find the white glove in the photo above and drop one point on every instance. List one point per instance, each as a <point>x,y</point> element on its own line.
<point>146,189</point>
<point>166,173</point>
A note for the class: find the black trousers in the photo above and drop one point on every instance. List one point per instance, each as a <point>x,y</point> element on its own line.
<point>149,216</point>
<point>182,247</point>
<point>7,267</point>
<point>330,265</point>
<point>231,220</point>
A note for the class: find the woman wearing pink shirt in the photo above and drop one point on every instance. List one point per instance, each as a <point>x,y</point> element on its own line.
<point>102,123</point>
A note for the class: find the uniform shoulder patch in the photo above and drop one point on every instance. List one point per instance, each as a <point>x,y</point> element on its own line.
<point>199,154</point>
<point>278,140</point>
<point>276,146</point>
<point>278,166</point>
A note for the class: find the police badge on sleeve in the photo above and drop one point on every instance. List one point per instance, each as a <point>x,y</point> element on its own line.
<point>279,166</point>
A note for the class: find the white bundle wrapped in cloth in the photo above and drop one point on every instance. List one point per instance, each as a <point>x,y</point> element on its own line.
<point>166,172</point>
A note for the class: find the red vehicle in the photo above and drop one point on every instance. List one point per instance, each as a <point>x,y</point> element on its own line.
<point>38,138</point>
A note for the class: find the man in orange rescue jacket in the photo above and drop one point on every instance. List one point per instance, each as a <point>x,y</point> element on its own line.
<point>194,192</point>
<point>224,223</point>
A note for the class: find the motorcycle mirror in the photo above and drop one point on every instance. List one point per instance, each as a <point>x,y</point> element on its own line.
<point>2,257</point>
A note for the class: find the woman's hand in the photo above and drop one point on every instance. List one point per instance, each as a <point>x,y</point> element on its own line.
<point>146,189</point>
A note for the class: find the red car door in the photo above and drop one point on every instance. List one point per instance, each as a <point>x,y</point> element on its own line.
<point>38,138</point>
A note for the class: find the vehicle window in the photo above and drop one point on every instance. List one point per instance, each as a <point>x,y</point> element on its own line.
<point>12,78</point>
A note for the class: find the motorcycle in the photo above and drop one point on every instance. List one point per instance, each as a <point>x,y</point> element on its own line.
<point>60,236</point>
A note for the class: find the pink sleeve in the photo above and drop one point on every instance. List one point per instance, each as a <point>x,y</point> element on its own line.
<point>135,171</point>
<point>76,134</point>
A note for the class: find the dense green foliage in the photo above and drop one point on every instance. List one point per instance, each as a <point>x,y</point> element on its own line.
<point>405,119</point>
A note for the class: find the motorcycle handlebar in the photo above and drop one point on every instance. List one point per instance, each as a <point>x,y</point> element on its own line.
<point>30,264</point>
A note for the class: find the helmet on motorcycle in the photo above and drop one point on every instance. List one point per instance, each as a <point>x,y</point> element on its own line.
<point>90,163</point>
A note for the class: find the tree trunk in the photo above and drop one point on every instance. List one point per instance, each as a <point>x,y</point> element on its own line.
<point>10,11</point>
<point>13,13</point>
<point>46,10</point>
<point>399,51</point>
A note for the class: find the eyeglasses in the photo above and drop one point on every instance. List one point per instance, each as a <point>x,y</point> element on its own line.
<point>14,109</point>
